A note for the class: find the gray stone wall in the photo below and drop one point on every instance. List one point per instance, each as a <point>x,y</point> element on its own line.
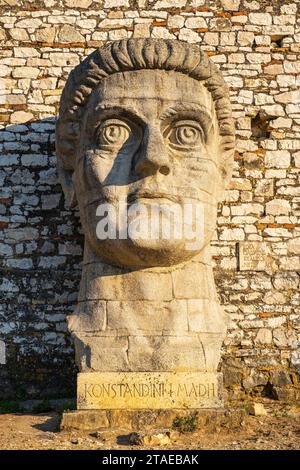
<point>257,46</point>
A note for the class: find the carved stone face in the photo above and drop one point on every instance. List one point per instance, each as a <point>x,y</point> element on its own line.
<point>149,137</point>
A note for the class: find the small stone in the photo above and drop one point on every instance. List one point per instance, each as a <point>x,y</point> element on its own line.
<point>273,110</point>
<point>69,34</point>
<point>114,35</point>
<point>231,5</point>
<point>291,67</point>
<point>149,439</point>
<point>175,21</point>
<point>280,340</point>
<point>283,393</point>
<point>245,38</point>
<point>283,20</point>
<point>264,336</point>
<point>263,40</point>
<point>188,35</point>
<point>156,439</point>
<point>211,38</point>
<point>286,80</point>
<point>19,34</point>
<point>257,409</point>
<point>26,52</point>
<point>274,298</point>
<point>262,19</point>
<point>232,376</point>
<point>141,30</point>
<point>289,9</point>
<point>97,435</point>
<point>280,378</point>
<point>278,159</point>
<point>273,69</point>
<point>99,36</point>
<point>84,4</point>
<point>241,184</point>
<point>111,24</point>
<point>87,24</point>
<point>61,59</point>
<point>228,39</point>
<point>12,99</point>
<point>288,97</point>
<point>30,23</point>
<point>294,246</point>
<point>2,34</point>
<point>255,379</point>
<point>258,58</point>
<point>116,3</point>
<point>232,234</point>
<point>50,201</point>
<point>165,4</point>
<point>220,24</point>
<point>281,123</point>
<point>264,187</point>
<point>158,32</point>
<point>25,72</point>
<point>278,207</point>
<point>20,116</point>
<point>195,22</point>
<point>135,439</point>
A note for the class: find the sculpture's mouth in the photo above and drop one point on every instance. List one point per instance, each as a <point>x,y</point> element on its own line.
<point>160,197</point>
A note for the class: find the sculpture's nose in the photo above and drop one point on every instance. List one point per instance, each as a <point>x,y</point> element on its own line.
<point>153,156</point>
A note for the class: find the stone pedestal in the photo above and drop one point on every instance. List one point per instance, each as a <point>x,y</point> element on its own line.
<point>143,400</point>
<point>145,145</point>
<point>148,420</point>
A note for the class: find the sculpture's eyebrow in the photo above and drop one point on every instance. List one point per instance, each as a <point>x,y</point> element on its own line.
<point>186,107</point>
<point>117,108</point>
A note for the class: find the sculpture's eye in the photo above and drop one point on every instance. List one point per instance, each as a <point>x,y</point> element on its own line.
<point>186,134</point>
<point>113,133</point>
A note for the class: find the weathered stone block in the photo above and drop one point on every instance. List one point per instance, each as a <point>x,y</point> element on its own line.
<point>137,316</point>
<point>149,390</point>
<point>254,256</point>
<point>83,420</point>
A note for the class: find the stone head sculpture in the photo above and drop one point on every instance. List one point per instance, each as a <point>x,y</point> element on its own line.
<point>146,122</point>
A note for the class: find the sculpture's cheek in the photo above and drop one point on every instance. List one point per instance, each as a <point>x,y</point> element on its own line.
<point>99,164</point>
<point>194,176</point>
<point>105,168</point>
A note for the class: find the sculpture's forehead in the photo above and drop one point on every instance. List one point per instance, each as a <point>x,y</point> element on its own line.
<point>153,85</point>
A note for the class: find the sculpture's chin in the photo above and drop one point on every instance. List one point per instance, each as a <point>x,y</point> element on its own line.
<point>161,252</point>
<point>144,253</point>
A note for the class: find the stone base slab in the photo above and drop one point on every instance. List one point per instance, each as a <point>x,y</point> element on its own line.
<point>149,390</point>
<point>146,420</point>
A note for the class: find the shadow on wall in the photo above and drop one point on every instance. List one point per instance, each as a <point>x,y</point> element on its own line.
<point>40,253</point>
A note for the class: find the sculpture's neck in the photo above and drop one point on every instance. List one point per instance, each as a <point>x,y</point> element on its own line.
<point>150,319</point>
<point>191,280</point>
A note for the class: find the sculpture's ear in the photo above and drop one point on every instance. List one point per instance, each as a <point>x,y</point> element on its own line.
<point>66,181</point>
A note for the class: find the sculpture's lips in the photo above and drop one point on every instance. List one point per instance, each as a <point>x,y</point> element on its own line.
<point>157,196</point>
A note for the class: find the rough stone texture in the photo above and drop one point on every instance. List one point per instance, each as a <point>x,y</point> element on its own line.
<point>257,409</point>
<point>37,242</point>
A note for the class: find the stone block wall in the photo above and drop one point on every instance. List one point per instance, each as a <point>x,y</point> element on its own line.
<point>257,244</point>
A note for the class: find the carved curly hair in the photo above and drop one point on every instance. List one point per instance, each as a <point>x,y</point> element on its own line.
<point>136,54</point>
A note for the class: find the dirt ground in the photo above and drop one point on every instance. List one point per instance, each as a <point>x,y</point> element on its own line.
<point>279,430</point>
